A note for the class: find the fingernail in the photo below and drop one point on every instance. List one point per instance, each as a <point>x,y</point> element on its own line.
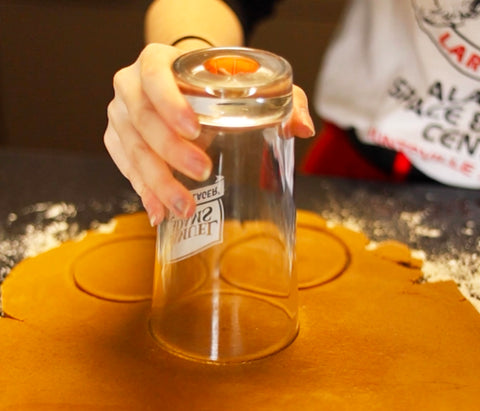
<point>181,208</point>
<point>152,217</point>
<point>307,121</point>
<point>153,220</point>
<point>200,169</point>
<point>189,129</point>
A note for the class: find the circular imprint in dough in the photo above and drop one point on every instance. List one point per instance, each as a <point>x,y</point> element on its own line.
<point>117,270</point>
<point>257,263</point>
<point>320,256</point>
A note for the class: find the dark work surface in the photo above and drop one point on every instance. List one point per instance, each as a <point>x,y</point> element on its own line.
<point>30,177</point>
<point>56,193</point>
<point>429,217</point>
<point>382,211</point>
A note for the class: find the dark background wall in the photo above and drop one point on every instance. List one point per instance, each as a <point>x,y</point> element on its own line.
<point>58,57</point>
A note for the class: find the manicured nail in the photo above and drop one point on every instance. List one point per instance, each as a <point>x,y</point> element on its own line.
<point>152,217</point>
<point>181,208</point>
<point>206,174</point>
<point>307,121</point>
<point>200,169</point>
<point>189,129</point>
<point>153,220</point>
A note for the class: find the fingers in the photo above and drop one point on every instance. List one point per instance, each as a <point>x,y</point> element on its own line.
<point>157,128</point>
<point>148,121</point>
<point>153,206</point>
<point>301,123</point>
<point>152,176</point>
<point>158,82</point>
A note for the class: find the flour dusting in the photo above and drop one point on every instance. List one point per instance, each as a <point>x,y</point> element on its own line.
<point>462,269</point>
<point>451,264</point>
<point>44,226</point>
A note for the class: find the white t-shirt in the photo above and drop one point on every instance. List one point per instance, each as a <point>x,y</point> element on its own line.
<point>406,75</point>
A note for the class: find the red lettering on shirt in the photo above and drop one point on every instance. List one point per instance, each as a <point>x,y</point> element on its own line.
<point>464,54</point>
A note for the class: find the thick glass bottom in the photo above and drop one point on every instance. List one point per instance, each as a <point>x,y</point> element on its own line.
<point>224,327</point>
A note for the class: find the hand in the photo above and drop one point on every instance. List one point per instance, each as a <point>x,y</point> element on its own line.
<point>151,129</point>
<point>150,126</point>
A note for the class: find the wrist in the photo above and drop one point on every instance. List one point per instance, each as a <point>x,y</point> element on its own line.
<point>187,43</point>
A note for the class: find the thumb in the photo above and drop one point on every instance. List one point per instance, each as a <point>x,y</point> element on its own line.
<point>301,122</point>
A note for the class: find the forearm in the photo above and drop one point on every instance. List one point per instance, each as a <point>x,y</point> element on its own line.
<point>191,24</point>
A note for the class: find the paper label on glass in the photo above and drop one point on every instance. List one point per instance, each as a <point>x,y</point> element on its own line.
<point>205,228</point>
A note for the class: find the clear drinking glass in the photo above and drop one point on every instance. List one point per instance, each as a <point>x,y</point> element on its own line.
<point>225,285</point>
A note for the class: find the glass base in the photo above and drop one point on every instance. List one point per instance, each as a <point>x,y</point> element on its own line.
<point>224,327</point>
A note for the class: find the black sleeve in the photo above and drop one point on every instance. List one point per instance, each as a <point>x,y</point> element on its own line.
<point>250,12</point>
